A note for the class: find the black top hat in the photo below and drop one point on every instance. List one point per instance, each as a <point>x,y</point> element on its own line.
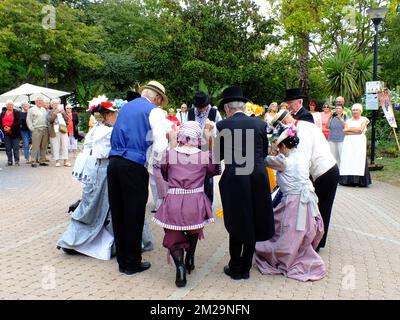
<point>294,94</point>
<point>233,93</point>
<point>132,95</point>
<point>201,100</point>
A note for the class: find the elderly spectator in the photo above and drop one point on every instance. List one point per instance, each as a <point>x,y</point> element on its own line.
<point>26,134</point>
<point>183,113</point>
<point>283,106</point>
<point>294,98</point>
<point>353,165</point>
<point>314,110</point>
<point>128,178</point>
<point>336,135</point>
<point>73,134</point>
<point>171,116</point>
<point>36,121</point>
<point>58,131</point>
<point>326,115</point>
<point>271,112</point>
<point>10,122</point>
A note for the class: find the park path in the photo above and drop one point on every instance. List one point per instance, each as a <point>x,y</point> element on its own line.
<point>362,255</point>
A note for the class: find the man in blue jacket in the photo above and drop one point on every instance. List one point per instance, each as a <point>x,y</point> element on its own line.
<point>138,128</point>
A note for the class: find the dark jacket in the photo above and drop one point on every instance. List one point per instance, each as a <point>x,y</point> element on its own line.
<point>304,114</point>
<point>51,118</point>
<point>75,122</point>
<point>16,126</point>
<point>245,195</point>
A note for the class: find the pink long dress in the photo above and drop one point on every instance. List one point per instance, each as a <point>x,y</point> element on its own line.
<point>185,205</point>
<point>298,224</point>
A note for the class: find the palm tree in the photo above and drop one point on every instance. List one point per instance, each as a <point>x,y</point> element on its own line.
<point>347,72</point>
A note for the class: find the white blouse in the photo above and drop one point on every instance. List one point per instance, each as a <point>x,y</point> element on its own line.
<point>101,142</point>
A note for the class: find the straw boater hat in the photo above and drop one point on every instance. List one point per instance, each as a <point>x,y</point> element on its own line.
<point>157,87</point>
<point>282,114</point>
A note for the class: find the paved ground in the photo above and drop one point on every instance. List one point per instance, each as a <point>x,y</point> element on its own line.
<point>362,255</point>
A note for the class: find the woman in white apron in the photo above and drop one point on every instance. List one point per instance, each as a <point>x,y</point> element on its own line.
<point>353,163</point>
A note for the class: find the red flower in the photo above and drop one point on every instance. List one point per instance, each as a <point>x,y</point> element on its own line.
<point>106,104</point>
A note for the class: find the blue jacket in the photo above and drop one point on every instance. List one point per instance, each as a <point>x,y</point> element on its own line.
<point>129,138</point>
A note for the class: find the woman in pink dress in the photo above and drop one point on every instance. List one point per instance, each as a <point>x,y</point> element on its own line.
<point>185,209</point>
<point>298,223</point>
<point>326,115</point>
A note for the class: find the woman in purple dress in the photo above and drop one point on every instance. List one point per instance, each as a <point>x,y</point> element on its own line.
<point>185,209</point>
<point>298,223</point>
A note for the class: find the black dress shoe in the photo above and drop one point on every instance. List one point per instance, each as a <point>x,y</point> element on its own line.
<point>43,164</point>
<point>33,165</point>
<point>142,267</point>
<point>229,273</point>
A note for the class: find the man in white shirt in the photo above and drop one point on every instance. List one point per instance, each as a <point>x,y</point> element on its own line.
<point>183,113</point>
<point>323,168</point>
<point>138,128</point>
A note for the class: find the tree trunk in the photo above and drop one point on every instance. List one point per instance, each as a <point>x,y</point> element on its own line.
<point>304,59</point>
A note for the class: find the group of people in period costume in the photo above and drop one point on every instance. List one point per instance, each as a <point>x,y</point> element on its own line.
<point>178,157</point>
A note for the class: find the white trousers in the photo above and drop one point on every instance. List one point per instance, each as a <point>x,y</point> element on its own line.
<point>156,199</point>
<point>72,143</point>
<point>336,150</point>
<point>59,146</point>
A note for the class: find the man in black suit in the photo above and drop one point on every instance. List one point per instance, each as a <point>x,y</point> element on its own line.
<point>294,99</point>
<point>242,142</point>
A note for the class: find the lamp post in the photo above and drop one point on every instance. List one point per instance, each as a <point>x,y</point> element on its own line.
<point>376,15</point>
<point>45,58</point>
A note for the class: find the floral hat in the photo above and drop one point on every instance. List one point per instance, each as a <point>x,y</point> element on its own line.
<point>101,104</point>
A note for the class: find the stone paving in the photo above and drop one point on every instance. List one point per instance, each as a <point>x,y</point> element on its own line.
<point>362,255</point>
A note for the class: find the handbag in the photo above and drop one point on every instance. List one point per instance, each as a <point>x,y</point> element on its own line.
<point>63,128</point>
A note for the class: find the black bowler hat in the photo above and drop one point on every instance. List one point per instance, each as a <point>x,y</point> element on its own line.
<point>132,95</point>
<point>201,100</point>
<point>233,93</point>
<point>294,94</point>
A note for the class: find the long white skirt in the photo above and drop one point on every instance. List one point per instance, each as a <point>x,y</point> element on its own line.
<point>354,155</point>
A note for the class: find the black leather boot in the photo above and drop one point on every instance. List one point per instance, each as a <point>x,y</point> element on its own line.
<point>177,255</point>
<point>189,259</point>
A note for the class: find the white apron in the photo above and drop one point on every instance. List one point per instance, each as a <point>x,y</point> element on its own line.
<point>354,151</point>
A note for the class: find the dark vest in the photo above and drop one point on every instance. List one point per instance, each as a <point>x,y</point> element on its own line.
<point>212,115</point>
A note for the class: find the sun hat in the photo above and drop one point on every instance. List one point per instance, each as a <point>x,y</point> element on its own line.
<point>157,87</point>
<point>279,116</point>
<point>190,133</point>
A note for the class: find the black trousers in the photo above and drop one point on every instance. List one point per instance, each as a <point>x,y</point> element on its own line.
<point>128,191</point>
<point>209,188</point>
<point>325,188</point>
<point>241,256</point>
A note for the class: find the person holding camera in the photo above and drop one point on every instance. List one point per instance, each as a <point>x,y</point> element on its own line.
<point>58,131</point>
<point>336,125</point>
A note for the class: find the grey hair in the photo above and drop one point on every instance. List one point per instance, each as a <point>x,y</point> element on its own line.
<point>39,98</point>
<point>151,94</point>
<point>234,105</point>
<point>58,100</point>
<point>10,101</point>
